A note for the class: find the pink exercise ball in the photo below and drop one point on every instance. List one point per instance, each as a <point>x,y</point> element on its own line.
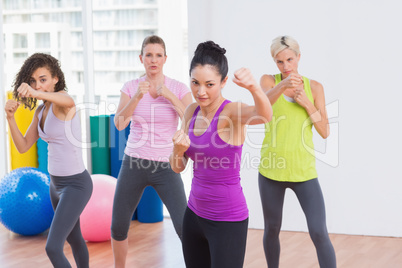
<point>96,218</point>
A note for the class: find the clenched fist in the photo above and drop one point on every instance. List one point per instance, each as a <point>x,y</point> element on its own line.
<point>244,78</point>
<point>301,98</point>
<point>293,81</point>
<point>143,88</point>
<point>26,91</point>
<point>11,107</point>
<point>163,91</point>
<point>181,142</point>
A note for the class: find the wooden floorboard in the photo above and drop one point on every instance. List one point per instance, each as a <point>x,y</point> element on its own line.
<point>156,245</point>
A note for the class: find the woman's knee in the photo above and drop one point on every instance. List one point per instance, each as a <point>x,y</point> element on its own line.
<point>273,229</point>
<point>118,233</point>
<point>53,251</point>
<point>319,235</point>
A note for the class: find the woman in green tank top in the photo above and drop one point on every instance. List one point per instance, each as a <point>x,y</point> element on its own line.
<point>287,153</point>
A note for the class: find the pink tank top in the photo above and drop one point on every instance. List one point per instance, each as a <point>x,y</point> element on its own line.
<point>216,193</point>
<point>153,123</point>
<point>64,144</point>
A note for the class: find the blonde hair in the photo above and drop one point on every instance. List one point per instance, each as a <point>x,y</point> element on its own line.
<point>282,42</point>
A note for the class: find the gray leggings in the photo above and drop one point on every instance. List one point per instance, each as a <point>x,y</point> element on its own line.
<point>312,202</point>
<point>136,174</point>
<point>69,196</point>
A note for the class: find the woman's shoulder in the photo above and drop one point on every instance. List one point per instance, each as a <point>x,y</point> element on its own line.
<point>131,85</point>
<point>134,82</point>
<point>267,81</point>
<point>315,83</point>
<point>232,107</point>
<point>39,109</point>
<point>317,89</point>
<point>188,114</point>
<point>173,83</point>
<point>190,109</point>
<point>268,77</point>
<point>316,86</point>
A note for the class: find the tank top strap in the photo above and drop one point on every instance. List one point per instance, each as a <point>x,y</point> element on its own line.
<point>41,107</point>
<point>215,120</point>
<point>40,114</point>
<point>221,108</point>
<point>278,78</point>
<point>307,86</point>
<point>192,122</point>
<point>51,113</point>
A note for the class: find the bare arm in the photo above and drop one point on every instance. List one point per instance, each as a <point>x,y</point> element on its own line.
<point>22,143</point>
<point>127,105</point>
<point>125,110</point>
<point>178,159</point>
<point>60,98</point>
<point>179,105</point>
<point>261,112</point>
<point>316,111</point>
<point>181,142</point>
<point>273,91</point>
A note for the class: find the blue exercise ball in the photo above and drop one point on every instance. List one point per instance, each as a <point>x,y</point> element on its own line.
<point>25,206</point>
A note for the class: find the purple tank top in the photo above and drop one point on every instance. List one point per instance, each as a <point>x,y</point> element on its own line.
<point>216,193</point>
<point>64,144</point>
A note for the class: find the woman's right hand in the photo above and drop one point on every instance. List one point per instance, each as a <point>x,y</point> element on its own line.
<point>143,88</point>
<point>181,142</point>
<point>11,107</point>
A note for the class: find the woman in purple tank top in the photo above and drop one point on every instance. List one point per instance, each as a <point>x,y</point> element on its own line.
<point>212,135</point>
<point>41,78</point>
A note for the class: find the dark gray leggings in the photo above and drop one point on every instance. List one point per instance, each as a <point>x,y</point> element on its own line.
<point>136,174</point>
<point>312,202</point>
<point>69,196</point>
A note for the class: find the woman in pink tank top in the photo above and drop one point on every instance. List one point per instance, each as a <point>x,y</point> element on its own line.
<point>152,104</point>
<point>212,135</point>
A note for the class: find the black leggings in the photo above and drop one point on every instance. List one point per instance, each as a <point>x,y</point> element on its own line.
<point>69,196</point>
<point>312,202</point>
<point>215,244</point>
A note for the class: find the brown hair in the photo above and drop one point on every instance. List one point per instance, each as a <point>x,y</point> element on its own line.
<point>153,39</point>
<point>31,64</point>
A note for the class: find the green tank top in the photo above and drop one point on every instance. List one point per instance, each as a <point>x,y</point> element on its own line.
<point>288,143</point>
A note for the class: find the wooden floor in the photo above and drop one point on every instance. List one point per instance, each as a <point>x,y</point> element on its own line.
<point>156,245</point>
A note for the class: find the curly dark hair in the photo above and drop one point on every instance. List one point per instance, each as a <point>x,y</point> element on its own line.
<point>31,64</point>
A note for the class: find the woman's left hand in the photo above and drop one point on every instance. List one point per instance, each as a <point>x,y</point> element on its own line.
<point>26,91</point>
<point>163,91</point>
<point>301,98</point>
<point>244,78</point>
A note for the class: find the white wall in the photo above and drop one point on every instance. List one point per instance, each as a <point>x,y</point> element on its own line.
<point>3,134</point>
<point>354,48</point>
<point>172,28</point>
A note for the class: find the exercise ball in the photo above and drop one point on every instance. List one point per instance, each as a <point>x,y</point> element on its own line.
<point>96,219</point>
<point>150,208</point>
<point>25,206</point>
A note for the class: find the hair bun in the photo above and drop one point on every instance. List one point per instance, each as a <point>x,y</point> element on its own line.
<point>212,46</point>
